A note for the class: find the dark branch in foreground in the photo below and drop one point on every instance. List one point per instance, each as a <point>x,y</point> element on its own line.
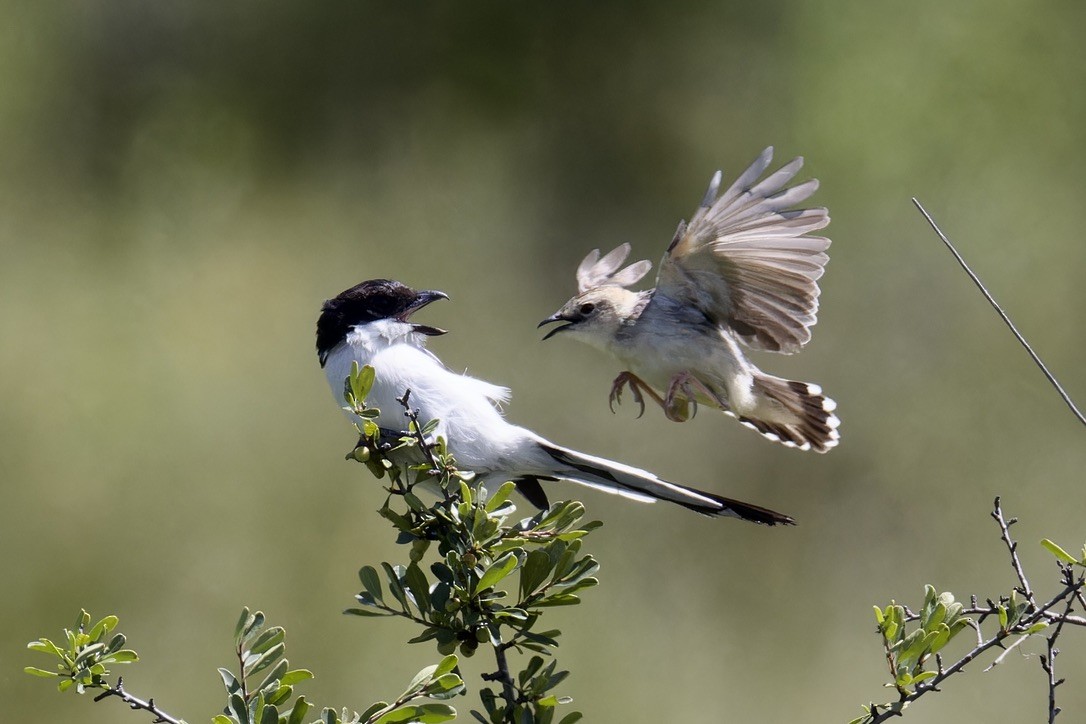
<point>1002,314</point>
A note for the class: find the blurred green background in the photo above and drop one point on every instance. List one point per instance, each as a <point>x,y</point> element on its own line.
<point>183,184</point>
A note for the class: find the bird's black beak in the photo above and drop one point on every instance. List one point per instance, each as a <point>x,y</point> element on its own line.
<point>421,300</point>
<point>556,317</point>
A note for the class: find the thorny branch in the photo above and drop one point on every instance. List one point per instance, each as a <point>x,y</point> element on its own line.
<point>1048,660</point>
<point>1034,613</point>
<point>412,415</point>
<point>1012,546</point>
<point>149,705</point>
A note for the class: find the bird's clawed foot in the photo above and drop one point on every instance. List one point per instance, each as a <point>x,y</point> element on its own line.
<point>637,386</point>
<point>680,403</point>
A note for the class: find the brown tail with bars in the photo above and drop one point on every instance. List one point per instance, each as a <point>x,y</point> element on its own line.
<point>793,413</point>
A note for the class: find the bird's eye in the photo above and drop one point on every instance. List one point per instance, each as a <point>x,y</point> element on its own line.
<point>587,308</point>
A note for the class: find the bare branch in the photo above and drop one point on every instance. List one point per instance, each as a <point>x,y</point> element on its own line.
<point>1012,546</point>
<point>1007,320</point>
<point>136,703</point>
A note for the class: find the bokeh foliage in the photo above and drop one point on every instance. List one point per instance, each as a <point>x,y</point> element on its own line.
<point>184,184</point>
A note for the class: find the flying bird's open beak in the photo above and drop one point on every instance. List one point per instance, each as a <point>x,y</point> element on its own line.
<point>556,317</point>
<point>421,300</point>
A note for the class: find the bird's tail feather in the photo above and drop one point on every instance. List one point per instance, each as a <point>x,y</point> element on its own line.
<point>793,413</point>
<point>631,482</point>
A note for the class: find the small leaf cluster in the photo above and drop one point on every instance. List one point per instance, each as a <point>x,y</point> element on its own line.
<point>84,660</point>
<point>940,620</point>
<point>356,387</point>
<point>537,705</point>
<point>270,701</point>
<point>494,575</point>
<point>260,653</point>
<point>412,453</point>
<point>489,586</point>
<point>1020,616</point>
<point>439,681</point>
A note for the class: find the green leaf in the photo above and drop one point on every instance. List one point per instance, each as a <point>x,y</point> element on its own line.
<point>445,687</point>
<point>943,635</point>
<point>124,656</point>
<point>274,676</point>
<point>367,612</point>
<point>429,633</point>
<point>1039,626</point>
<point>583,568</point>
<point>34,671</point>
<point>374,708</point>
<point>445,666</point>
<point>222,719</point>
<point>371,582</point>
<point>500,496</point>
<point>536,568</point>
<point>266,659</point>
<point>298,711</point>
<point>923,676</point>
<point>936,617</point>
<point>1060,553</point>
<point>295,676</point>
<point>103,627</point>
<point>89,652</point>
<point>559,599</point>
<point>499,570</point>
<point>419,587</point>
<point>414,502</point>
<point>267,639</point>
<point>422,713</point>
<point>419,682</point>
<point>361,381</point>
<point>395,587</point>
<point>269,715</point>
<point>238,708</point>
<point>45,646</point>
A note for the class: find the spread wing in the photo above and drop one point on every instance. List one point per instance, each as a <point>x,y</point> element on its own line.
<point>596,272</point>
<point>746,261</point>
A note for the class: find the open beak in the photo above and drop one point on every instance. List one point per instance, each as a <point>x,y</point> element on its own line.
<point>556,317</point>
<point>421,300</point>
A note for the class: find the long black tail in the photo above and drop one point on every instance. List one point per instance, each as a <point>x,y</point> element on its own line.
<point>631,482</point>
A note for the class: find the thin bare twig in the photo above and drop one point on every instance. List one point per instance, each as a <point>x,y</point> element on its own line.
<point>1048,661</point>
<point>416,430</point>
<point>136,703</point>
<point>1012,546</point>
<point>1002,314</point>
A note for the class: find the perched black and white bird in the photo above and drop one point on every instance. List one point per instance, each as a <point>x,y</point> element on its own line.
<point>743,272</point>
<point>370,324</point>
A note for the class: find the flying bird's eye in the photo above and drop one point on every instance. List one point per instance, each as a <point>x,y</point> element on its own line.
<point>587,308</point>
